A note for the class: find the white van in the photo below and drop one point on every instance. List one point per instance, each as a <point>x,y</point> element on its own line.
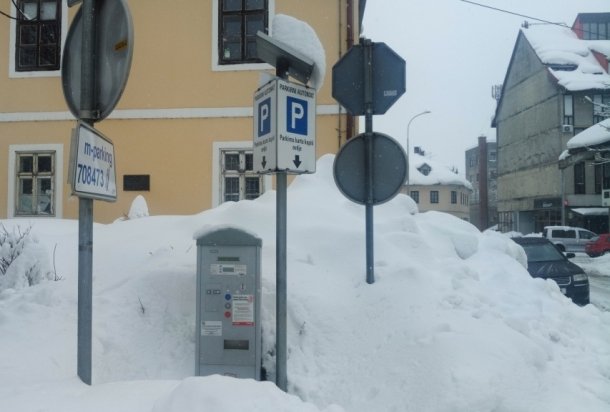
<point>567,238</point>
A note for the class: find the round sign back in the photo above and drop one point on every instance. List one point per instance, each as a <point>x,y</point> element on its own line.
<point>113,51</point>
<point>389,168</point>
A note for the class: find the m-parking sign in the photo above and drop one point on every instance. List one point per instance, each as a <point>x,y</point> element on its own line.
<point>284,128</point>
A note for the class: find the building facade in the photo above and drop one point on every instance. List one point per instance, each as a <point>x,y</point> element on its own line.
<point>434,186</point>
<point>482,173</point>
<point>182,131</point>
<point>553,79</point>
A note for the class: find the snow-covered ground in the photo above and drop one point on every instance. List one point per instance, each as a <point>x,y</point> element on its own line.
<point>452,323</point>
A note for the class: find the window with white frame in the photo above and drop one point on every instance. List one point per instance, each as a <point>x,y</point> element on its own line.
<point>35,183</point>
<point>238,23</point>
<point>239,181</point>
<point>37,35</point>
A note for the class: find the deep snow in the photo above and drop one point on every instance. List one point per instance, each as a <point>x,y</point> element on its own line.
<point>452,323</point>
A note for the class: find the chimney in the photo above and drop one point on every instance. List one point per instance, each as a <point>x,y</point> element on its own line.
<point>483,194</point>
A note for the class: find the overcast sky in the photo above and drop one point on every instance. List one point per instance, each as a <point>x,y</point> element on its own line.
<point>455,52</point>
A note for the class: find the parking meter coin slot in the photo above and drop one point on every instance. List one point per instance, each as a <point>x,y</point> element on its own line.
<point>237,344</point>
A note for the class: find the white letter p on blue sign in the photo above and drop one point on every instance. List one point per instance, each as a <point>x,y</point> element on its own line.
<point>297,116</point>
<point>264,117</point>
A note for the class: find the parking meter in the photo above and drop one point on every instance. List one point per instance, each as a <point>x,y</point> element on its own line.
<point>228,331</point>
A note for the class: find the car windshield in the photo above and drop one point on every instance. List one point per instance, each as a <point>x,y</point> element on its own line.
<point>542,252</point>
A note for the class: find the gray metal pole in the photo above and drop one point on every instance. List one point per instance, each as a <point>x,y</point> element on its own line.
<point>368,139</point>
<point>281,217</point>
<point>85,210</point>
<point>281,282</point>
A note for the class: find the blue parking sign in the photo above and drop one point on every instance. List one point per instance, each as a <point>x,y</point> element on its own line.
<point>264,117</point>
<point>296,115</point>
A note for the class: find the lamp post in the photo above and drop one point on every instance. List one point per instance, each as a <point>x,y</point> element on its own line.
<point>408,148</point>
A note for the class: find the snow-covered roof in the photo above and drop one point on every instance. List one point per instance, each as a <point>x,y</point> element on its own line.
<point>595,135</point>
<point>591,211</point>
<point>439,174</point>
<point>569,59</point>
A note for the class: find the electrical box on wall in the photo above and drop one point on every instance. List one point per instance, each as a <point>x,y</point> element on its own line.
<point>606,197</point>
<point>228,331</point>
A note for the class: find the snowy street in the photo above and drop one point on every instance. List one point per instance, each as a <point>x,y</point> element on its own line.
<point>600,291</point>
<point>599,280</point>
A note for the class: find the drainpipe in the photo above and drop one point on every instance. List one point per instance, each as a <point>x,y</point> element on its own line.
<point>349,130</point>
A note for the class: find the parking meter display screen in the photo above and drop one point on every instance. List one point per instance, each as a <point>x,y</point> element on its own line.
<point>228,259</point>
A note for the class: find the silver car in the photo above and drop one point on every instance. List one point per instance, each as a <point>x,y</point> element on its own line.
<point>567,238</point>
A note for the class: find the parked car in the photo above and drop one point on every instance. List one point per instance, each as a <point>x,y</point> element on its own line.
<point>546,261</point>
<point>599,245</point>
<point>567,238</point>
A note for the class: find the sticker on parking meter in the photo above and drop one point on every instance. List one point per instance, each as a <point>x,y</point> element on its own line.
<point>243,310</point>
<point>211,328</point>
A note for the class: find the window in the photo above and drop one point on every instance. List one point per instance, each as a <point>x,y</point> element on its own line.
<point>415,195</point>
<point>35,178</point>
<point>239,181</point>
<point>599,174</point>
<point>505,221</point>
<point>563,233</point>
<point>492,156</point>
<point>453,197</point>
<point>425,169</point>
<point>568,109</point>
<point>596,31</point>
<point>434,196</point>
<point>238,23</point>
<point>38,35</point>
<point>579,178</point>
<point>585,234</point>
<point>136,183</point>
<point>601,107</point>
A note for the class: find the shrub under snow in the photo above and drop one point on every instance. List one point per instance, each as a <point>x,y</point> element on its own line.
<point>23,261</point>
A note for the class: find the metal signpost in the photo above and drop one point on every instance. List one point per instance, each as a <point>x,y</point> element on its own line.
<point>95,68</point>
<point>284,131</point>
<point>367,80</point>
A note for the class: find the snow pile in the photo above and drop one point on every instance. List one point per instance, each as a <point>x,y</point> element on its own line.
<point>597,134</point>
<point>301,37</point>
<point>453,321</point>
<point>558,46</point>
<point>139,208</point>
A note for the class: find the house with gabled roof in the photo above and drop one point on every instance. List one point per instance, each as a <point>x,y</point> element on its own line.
<point>433,186</point>
<point>556,80</point>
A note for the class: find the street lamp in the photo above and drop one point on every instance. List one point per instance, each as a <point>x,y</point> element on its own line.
<point>408,149</point>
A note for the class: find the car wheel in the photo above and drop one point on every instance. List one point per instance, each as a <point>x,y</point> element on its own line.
<point>561,247</point>
<point>592,255</point>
